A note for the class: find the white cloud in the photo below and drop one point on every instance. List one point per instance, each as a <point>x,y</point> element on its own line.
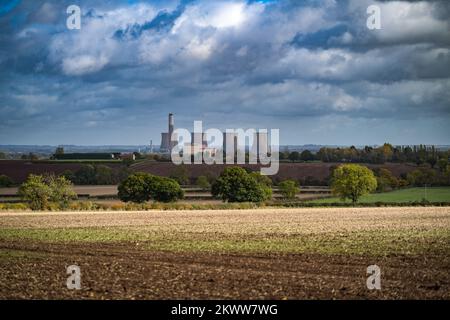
<point>403,22</point>
<point>411,21</point>
<point>221,14</point>
<point>83,64</point>
<point>93,47</point>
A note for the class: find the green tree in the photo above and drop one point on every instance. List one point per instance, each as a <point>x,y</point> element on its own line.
<point>283,155</point>
<point>421,177</point>
<point>445,178</point>
<point>294,156</point>
<point>85,175</point>
<point>351,181</point>
<point>236,185</point>
<point>166,190</point>
<point>265,182</point>
<point>386,180</point>
<point>5,181</point>
<point>36,192</point>
<point>141,187</point>
<point>104,175</point>
<point>306,155</point>
<point>432,161</point>
<point>289,189</point>
<point>387,150</point>
<point>61,190</point>
<point>30,156</point>
<point>2,155</point>
<point>443,164</point>
<point>121,174</point>
<point>59,151</point>
<point>135,188</point>
<point>203,183</point>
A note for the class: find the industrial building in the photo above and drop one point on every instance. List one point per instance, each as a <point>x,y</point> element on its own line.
<point>199,141</point>
<point>166,143</point>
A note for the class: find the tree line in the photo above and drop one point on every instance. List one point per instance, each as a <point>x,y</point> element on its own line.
<point>420,154</point>
<point>234,184</point>
<point>96,175</point>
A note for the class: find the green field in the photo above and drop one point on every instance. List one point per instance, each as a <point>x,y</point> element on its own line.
<point>436,194</point>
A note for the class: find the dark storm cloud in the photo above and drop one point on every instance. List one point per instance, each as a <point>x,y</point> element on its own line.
<point>229,62</point>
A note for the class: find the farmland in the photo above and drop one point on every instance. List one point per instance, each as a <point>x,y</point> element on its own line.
<point>256,254</point>
<point>435,194</point>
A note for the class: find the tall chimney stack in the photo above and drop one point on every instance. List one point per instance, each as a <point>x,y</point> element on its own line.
<point>171,126</point>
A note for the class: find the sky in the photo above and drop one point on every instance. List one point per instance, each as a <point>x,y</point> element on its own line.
<point>310,68</point>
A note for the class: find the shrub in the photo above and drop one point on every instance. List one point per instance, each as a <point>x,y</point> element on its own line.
<point>61,191</point>
<point>236,185</point>
<point>14,206</point>
<point>36,192</point>
<point>47,193</point>
<point>289,189</point>
<point>82,206</point>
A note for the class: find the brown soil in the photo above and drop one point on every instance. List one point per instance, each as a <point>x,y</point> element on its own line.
<point>122,271</point>
<point>32,269</point>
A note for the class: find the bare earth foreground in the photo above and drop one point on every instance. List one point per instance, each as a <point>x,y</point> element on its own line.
<point>239,254</point>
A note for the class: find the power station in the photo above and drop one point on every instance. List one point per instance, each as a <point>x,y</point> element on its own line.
<point>166,141</point>
<point>199,141</point>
